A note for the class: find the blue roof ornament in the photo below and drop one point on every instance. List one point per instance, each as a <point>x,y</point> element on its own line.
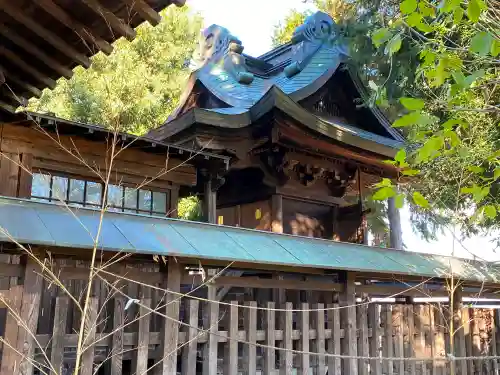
<point>218,46</point>
<point>318,30</point>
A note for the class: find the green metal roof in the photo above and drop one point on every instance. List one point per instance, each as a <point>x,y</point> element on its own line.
<point>37,223</point>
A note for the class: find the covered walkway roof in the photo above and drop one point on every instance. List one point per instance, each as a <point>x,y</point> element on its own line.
<point>46,224</point>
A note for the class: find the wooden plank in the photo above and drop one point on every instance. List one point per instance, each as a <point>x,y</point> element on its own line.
<point>231,348</point>
<point>33,49</point>
<point>27,68</point>
<point>9,174</point>
<point>70,22</point>
<point>117,349</point>
<point>143,333</point>
<point>174,201</point>
<point>363,347</point>
<point>388,345</point>
<point>56,41</point>
<point>212,326</point>
<point>30,310</point>
<point>440,337</point>
<point>12,78</point>
<point>333,314</point>
<point>269,353</point>
<point>249,350</point>
<point>286,356</point>
<point>433,338</point>
<point>348,313</point>
<point>467,321</point>
<point>25,178</point>
<point>410,319</point>
<point>397,319</point>
<point>319,367</point>
<point>111,19</point>
<point>495,337</point>
<point>304,338</point>
<point>459,339</point>
<point>144,10</point>
<point>60,320</point>
<point>189,351</point>
<point>90,331</point>
<point>374,341</point>
<point>10,358</point>
<point>255,282</point>
<point>171,337</point>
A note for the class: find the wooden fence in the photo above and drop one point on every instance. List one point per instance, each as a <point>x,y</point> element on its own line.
<point>194,336</point>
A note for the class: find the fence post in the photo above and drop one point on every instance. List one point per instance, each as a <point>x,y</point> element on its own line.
<point>30,310</point>
<point>171,337</point>
<point>350,348</point>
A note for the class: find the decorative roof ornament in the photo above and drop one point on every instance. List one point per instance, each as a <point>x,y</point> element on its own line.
<point>317,30</point>
<point>218,46</point>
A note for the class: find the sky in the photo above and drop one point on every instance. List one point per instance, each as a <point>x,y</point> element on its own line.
<point>253,23</point>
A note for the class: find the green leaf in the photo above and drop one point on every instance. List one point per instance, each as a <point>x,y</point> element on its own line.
<point>393,45</point>
<point>410,172</point>
<point>414,19</point>
<point>450,5</point>
<point>399,201</point>
<point>475,169</point>
<point>480,193</point>
<point>386,182</point>
<point>474,9</point>
<point>413,118</point>
<point>496,173</point>
<point>490,211</point>
<point>383,193</point>
<point>381,36</point>
<point>408,6</point>
<point>458,15</point>
<point>426,10</point>
<point>451,123</point>
<point>481,43</point>
<point>400,156</point>
<point>469,80</point>
<point>495,48</point>
<point>422,26</point>
<point>420,200</point>
<point>412,104</point>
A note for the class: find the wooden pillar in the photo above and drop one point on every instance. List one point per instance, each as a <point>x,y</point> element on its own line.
<point>174,201</point>
<point>396,234</point>
<point>171,332</point>
<point>143,334</point>
<point>10,358</point>
<point>277,213</point>
<point>350,365</point>
<point>210,201</point>
<point>30,310</point>
<point>25,177</point>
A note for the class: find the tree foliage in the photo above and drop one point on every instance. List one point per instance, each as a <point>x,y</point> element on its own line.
<point>138,85</point>
<point>433,68</point>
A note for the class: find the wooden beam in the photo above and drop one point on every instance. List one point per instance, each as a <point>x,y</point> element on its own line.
<point>17,60</point>
<point>67,20</point>
<point>30,47</point>
<point>7,107</point>
<point>21,17</point>
<point>144,10</point>
<point>20,82</point>
<point>116,23</point>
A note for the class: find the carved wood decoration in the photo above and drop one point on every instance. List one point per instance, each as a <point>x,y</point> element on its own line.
<point>283,167</point>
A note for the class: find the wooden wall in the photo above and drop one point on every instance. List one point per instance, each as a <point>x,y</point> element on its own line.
<point>244,335</point>
<point>25,149</point>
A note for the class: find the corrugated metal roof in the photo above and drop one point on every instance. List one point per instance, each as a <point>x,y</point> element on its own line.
<point>54,225</point>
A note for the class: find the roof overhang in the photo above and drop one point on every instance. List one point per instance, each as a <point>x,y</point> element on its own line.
<point>57,226</point>
<point>237,118</point>
<point>43,40</point>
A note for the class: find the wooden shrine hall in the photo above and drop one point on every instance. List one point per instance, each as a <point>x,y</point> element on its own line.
<point>304,150</point>
<point>278,281</point>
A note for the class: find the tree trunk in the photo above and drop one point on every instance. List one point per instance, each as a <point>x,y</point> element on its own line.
<point>395,234</point>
